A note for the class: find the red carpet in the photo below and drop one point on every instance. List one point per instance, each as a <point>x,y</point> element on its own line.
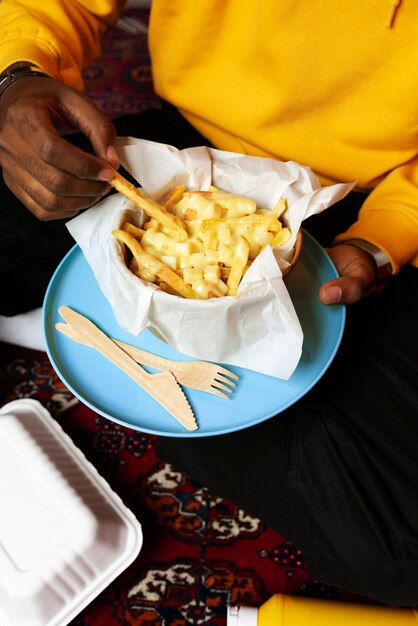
<point>200,552</point>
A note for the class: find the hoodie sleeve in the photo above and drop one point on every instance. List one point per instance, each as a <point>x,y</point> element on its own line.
<point>389,216</point>
<point>60,36</point>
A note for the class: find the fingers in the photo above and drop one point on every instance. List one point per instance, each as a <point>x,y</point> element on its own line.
<point>32,205</point>
<point>112,157</point>
<point>97,128</point>
<point>52,177</point>
<point>86,117</point>
<point>357,276</point>
<point>45,204</point>
<point>55,158</point>
<point>35,135</point>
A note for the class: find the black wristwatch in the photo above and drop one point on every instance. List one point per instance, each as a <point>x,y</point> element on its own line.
<point>17,71</point>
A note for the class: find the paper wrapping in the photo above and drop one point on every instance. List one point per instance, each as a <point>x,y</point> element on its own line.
<point>258,328</point>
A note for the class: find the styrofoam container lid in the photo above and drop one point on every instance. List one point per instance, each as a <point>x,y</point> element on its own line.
<point>242,616</point>
<point>64,534</point>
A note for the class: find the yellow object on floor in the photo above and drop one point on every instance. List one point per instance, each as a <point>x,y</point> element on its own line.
<point>282,610</point>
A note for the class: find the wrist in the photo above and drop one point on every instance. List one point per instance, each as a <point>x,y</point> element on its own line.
<point>16,71</point>
<point>382,264</point>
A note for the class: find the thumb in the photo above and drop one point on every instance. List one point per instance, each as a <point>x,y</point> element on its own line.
<point>357,276</point>
<point>343,290</point>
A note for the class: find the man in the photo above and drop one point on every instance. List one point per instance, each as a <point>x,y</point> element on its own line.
<point>330,86</point>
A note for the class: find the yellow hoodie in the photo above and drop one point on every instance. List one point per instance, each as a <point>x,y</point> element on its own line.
<point>332,85</point>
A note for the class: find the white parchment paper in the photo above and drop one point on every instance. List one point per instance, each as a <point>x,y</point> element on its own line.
<point>257,329</point>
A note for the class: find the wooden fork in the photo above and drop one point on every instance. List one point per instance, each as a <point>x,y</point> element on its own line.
<point>200,375</point>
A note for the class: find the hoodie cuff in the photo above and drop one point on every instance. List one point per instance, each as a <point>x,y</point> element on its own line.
<point>41,54</point>
<point>389,231</point>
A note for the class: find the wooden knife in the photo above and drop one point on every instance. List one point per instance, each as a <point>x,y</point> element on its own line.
<point>163,386</point>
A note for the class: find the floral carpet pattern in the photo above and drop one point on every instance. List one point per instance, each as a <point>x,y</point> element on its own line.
<point>200,553</point>
<point>120,80</point>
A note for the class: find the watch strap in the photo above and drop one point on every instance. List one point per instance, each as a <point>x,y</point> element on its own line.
<point>9,76</point>
<point>383,265</point>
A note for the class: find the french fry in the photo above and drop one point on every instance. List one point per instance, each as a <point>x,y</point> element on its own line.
<point>166,287</point>
<point>231,204</point>
<point>241,252</point>
<point>280,208</point>
<point>143,260</point>
<point>174,196</point>
<point>176,282</point>
<point>152,264</point>
<point>281,237</point>
<point>247,221</point>
<point>277,211</point>
<point>133,266</point>
<point>152,223</point>
<point>147,275</point>
<point>225,272</point>
<point>134,230</point>
<point>151,208</point>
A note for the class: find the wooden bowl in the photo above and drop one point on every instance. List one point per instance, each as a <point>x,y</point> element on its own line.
<point>296,255</point>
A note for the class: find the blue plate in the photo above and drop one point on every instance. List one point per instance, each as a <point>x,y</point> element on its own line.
<point>105,389</point>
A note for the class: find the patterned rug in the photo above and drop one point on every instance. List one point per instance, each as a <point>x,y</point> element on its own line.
<point>120,80</point>
<point>200,552</point>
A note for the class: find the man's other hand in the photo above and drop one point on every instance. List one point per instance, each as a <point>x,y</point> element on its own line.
<point>357,272</point>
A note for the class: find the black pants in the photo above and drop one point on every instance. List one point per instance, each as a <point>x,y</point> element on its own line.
<point>337,473</point>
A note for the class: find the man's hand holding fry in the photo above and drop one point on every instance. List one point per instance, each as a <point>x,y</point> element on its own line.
<point>49,175</point>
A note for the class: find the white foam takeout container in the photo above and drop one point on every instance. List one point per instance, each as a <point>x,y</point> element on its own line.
<point>64,534</point>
